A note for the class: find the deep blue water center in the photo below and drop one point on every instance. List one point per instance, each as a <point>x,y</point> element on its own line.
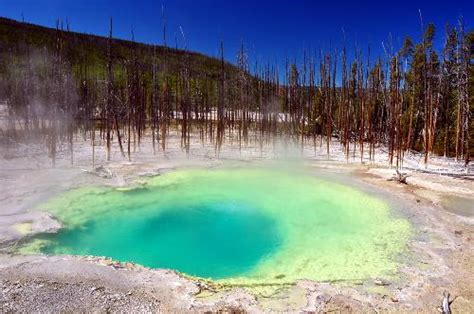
<point>215,240</point>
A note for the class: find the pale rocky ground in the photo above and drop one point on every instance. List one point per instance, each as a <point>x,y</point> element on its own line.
<point>440,254</point>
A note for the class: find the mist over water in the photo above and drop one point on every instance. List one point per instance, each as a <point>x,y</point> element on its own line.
<point>236,225</point>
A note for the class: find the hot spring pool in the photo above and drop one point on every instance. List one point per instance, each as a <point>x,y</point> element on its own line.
<point>234,225</point>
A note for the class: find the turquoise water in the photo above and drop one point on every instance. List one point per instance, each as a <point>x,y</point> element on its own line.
<point>235,225</point>
<point>209,239</point>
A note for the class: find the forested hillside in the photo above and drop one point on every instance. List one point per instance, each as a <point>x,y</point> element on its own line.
<point>56,83</point>
<point>19,39</point>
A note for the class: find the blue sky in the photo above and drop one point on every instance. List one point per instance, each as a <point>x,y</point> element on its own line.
<point>271,30</point>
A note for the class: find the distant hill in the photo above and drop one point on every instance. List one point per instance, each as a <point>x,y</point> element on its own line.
<point>16,36</point>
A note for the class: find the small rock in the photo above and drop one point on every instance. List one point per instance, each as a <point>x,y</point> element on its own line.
<point>113,264</point>
<point>94,289</point>
<point>381,282</point>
